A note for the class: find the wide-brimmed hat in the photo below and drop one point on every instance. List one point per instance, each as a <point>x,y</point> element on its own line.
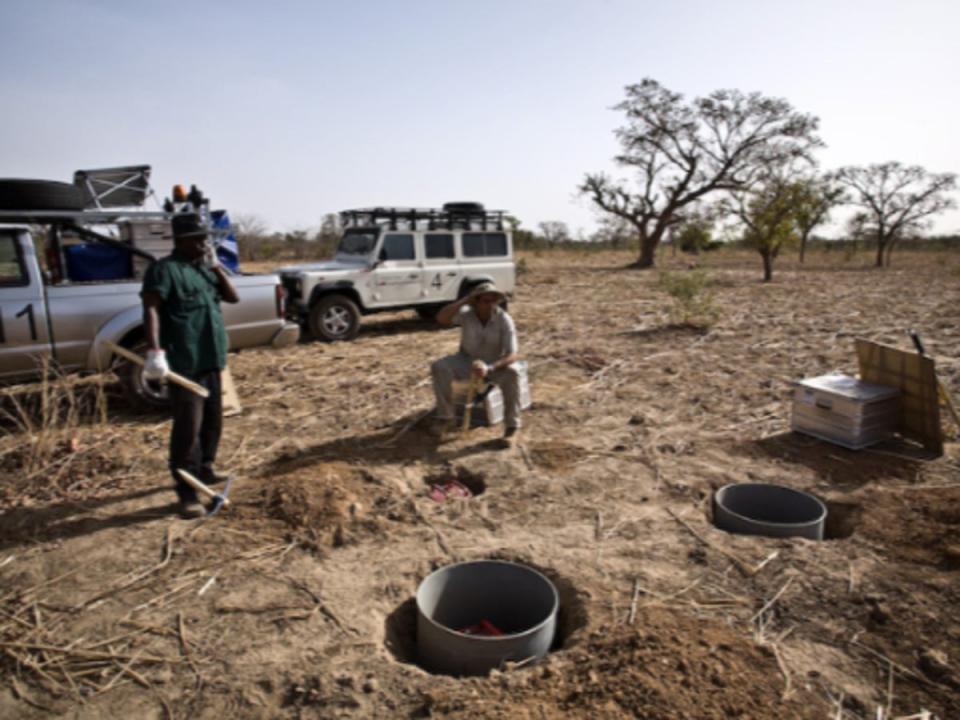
<point>486,288</point>
<point>188,225</point>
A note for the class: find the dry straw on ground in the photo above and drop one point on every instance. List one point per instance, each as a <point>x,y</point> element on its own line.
<point>297,602</point>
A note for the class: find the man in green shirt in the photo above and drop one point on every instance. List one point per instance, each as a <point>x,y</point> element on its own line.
<point>185,333</point>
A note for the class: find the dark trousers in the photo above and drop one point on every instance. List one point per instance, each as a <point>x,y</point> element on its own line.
<point>197,424</point>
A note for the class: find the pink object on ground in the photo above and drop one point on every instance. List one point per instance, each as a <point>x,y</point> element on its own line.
<point>439,493</point>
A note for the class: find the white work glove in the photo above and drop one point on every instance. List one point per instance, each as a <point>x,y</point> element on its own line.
<point>480,369</point>
<point>155,368</point>
<point>210,258</point>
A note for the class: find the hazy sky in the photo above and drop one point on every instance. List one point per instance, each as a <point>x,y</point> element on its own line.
<point>290,110</point>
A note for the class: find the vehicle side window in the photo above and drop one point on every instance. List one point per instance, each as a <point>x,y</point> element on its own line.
<point>484,244</point>
<point>439,246</point>
<point>398,247</point>
<point>12,271</point>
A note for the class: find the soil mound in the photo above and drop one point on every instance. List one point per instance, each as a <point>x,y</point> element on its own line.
<point>667,665</point>
<point>330,504</point>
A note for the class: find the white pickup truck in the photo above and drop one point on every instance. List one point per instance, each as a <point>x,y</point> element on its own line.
<point>60,313</point>
<point>66,323</point>
<point>400,258</point>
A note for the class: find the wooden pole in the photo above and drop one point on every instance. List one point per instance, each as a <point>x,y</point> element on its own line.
<point>468,408</point>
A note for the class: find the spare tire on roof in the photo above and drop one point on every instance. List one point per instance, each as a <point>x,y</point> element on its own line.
<point>39,195</point>
<point>464,208</point>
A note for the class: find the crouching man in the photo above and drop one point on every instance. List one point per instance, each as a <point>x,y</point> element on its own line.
<point>185,332</point>
<point>488,349</point>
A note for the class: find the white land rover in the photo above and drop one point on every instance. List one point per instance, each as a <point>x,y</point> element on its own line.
<point>400,258</point>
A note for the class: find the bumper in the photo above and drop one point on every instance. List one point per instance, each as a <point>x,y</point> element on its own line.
<point>286,336</point>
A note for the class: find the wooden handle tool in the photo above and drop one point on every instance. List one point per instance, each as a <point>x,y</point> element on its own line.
<point>171,376</point>
<point>201,488</point>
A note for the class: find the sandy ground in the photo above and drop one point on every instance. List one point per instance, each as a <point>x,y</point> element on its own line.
<point>297,601</point>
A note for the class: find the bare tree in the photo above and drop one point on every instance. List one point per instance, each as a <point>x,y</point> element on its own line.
<point>815,198</point>
<point>612,231</point>
<point>523,239</point>
<point>251,233</point>
<point>896,200</point>
<point>297,243</point>
<point>554,231</point>
<point>328,235</point>
<point>247,225</point>
<point>683,151</point>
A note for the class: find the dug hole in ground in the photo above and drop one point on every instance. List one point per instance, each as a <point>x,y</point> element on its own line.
<point>297,601</point>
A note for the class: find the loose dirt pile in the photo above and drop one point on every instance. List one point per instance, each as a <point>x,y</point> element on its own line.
<point>670,665</point>
<point>327,506</point>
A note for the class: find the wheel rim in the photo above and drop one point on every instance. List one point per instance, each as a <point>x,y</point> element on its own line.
<point>336,320</point>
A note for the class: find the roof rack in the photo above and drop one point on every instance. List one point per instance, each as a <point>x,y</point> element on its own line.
<point>452,216</point>
<point>88,217</point>
<point>127,186</point>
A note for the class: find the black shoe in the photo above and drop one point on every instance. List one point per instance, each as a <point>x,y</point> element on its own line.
<point>212,477</point>
<point>191,509</point>
<point>510,438</point>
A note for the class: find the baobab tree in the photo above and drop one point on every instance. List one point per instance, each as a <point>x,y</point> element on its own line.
<point>682,151</point>
<point>896,199</point>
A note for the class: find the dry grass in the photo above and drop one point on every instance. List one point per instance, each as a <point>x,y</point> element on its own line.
<point>40,423</point>
<point>635,422</point>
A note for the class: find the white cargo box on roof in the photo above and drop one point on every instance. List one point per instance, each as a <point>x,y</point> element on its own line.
<point>151,236</point>
<point>845,410</point>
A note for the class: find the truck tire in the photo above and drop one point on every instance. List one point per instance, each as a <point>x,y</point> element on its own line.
<point>140,395</point>
<point>39,195</point>
<point>334,318</point>
<point>428,312</point>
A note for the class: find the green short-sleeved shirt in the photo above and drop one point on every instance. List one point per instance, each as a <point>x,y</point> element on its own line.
<point>191,324</point>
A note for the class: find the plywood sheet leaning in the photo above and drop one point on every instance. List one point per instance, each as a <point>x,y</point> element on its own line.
<point>231,399</point>
<point>916,376</point>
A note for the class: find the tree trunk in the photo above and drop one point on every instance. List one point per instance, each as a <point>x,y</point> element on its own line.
<point>803,246</point>
<point>648,246</point>
<point>881,246</point>
<point>767,266</point>
<point>889,252</point>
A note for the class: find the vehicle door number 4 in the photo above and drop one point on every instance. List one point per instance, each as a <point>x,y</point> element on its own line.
<point>437,282</point>
<point>28,311</point>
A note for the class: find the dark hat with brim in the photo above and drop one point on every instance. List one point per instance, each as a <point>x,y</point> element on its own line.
<point>486,288</point>
<point>187,226</point>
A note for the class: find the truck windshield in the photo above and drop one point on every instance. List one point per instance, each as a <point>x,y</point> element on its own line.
<point>358,242</point>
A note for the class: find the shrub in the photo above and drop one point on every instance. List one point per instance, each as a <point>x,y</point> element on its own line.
<point>692,301</point>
